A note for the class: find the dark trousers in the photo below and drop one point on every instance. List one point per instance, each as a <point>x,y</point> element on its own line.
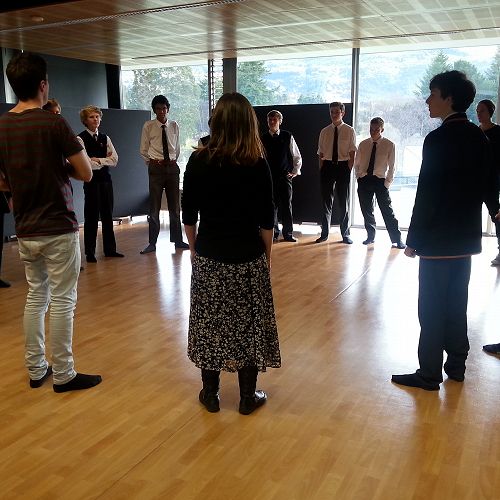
<point>98,204</point>
<point>442,312</point>
<point>1,239</point>
<point>334,180</point>
<point>369,187</point>
<point>164,177</point>
<point>282,190</point>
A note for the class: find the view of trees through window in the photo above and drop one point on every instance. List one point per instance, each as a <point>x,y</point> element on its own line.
<point>393,85</point>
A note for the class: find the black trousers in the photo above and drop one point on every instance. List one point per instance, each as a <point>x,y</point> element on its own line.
<point>335,180</point>
<point>164,177</point>
<point>98,204</point>
<point>282,190</point>
<point>1,239</point>
<point>368,188</point>
<point>442,312</point>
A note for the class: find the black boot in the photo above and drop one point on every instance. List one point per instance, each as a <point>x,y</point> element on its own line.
<point>250,398</point>
<point>209,395</point>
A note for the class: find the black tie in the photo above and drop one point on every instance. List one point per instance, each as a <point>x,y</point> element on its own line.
<point>164,142</point>
<point>275,135</point>
<point>371,163</point>
<point>95,137</point>
<point>335,152</point>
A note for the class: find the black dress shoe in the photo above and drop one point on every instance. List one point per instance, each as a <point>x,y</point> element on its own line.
<point>368,241</point>
<point>91,258</point>
<point>347,240</point>
<point>321,239</point>
<point>4,284</point>
<point>290,239</point>
<point>149,249</point>
<point>415,380</point>
<point>181,245</point>
<point>114,254</point>
<point>492,348</point>
<point>399,244</point>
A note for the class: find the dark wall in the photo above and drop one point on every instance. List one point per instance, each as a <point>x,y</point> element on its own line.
<point>130,177</point>
<point>305,122</point>
<point>77,83</point>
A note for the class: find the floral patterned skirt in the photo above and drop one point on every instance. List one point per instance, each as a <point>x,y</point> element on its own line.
<point>232,322</point>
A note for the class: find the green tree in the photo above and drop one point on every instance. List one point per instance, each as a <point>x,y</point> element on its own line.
<point>438,65</point>
<point>253,85</point>
<point>179,85</point>
<point>310,99</point>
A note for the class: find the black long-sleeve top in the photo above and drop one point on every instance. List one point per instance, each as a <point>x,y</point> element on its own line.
<point>233,202</point>
<point>455,180</point>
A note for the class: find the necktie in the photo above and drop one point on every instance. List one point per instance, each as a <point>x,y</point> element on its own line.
<point>371,163</point>
<point>335,151</point>
<point>95,137</point>
<point>164,142</point>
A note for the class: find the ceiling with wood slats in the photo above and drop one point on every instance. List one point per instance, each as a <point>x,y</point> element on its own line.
<point>136,33</point>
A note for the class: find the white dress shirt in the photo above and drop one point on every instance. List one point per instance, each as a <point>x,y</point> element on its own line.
<point>294,151</point>
<point>111,159</point>
<point>385,158</point>
<point>151,140</point>
<point>346,141</point>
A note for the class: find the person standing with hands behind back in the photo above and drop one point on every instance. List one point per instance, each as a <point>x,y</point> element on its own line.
<point>232,326</point>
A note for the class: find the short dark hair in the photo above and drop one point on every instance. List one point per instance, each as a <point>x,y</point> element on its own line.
<point>25,71</point>
<point>377,121</point>
<point>456,85</point>
<point>337,104</point>
<point>489,106</point>
<point>160,99</point>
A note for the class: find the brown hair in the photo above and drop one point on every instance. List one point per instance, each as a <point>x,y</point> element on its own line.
<point>234,131</point>
<point>50,105</point>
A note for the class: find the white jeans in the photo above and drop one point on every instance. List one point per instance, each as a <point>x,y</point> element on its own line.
<point>52,266</point>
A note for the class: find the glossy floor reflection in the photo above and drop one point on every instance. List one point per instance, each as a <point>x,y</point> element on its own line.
<point>334,426</point>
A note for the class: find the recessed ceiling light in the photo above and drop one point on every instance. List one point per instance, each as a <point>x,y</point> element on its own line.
<point>37,19</point>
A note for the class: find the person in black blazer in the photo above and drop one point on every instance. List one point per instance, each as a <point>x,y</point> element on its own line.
<point>446,229</point>
<point>4,209</point>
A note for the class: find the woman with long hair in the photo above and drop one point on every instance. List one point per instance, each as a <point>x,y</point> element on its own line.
<point>232,326</point>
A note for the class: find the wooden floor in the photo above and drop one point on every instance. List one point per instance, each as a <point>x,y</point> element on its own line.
<point>334,427</point>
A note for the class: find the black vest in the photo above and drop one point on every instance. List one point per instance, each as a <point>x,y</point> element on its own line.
<point>278,152</point>
<point>97,149</point>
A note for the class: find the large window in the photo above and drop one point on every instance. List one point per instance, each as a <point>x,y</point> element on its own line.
<point>186,88</point>
<point>296,81</point>
<point>394,85</point>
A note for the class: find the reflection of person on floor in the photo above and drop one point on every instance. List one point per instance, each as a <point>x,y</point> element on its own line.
<point>374,165</point>
<point>99,191</point>
<point>46,225</point>
<point>4,209</point>
<point>232,326</point>
<point>455,170</point>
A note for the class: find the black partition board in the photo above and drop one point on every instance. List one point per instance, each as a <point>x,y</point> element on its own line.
<point>130,177</point>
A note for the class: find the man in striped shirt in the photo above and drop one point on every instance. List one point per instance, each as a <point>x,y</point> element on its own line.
<point>38,153</point>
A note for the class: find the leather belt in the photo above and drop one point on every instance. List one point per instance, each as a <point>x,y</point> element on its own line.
<point>162,163</point>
